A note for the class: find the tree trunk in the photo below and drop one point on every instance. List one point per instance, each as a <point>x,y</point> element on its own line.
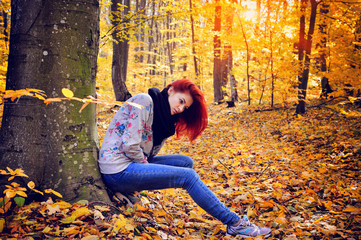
<point>53,45</point>
<point>140,11</point>
<point>120,52</point>
<point>247,62</point>
<point>5,26</point>
<point>193,41</point>
<point>304,46</point>
<point>272,70</point>
<point>151,40</point>
<point>325,86</point>
<point>168,44</point>
<point>217,62</point>
<point>228,52</point>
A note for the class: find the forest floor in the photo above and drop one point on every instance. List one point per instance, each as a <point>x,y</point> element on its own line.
<point>299,175</point>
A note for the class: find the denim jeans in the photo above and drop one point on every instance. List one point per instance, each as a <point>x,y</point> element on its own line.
<point>170,171</point>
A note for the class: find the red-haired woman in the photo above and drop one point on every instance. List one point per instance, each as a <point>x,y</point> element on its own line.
<point>128,160</point>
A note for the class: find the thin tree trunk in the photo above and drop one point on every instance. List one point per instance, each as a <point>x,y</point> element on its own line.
<point>151,41</point>
<point>168,44</point>
<point>326,88</point>
<point>301,108</point>
<point>217,66</point>
<point>229,55</point>
<point>55,145</point>
<point>120,53</point>
<point>247,62</point>
<point>196,71</point>
<point>272,71</point>
<point>301,49</point>
<point>5,25</point>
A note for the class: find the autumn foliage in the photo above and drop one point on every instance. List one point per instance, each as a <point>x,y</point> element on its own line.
<point>298,175</point>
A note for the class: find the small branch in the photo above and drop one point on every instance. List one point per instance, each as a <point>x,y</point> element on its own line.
<point>230,171</point>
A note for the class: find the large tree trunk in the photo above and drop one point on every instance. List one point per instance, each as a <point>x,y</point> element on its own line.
<point>303,78</point>
<point>217,62</point>
<point>53,45</point>
<point>120,52</point>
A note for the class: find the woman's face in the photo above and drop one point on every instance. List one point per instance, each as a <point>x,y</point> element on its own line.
<point>179,101</point>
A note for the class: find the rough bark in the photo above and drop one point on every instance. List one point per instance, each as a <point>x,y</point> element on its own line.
<point>247,63</point>
<point>306,47</point>
<point>228,53</point>
<point>195,60</point>
<point>217,62</point>
<point>325,85</point>
<point>120,52</point>
<point>53,45</point>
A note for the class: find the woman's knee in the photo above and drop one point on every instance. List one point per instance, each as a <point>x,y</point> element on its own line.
<point>190,177</point>
<point>188,161</point>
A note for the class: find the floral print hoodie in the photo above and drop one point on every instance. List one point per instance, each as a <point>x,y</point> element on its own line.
<point>129,137</point>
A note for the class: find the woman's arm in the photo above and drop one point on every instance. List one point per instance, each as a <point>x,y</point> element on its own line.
<point>134,126</point>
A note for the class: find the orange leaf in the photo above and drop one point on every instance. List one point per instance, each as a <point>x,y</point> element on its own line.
<point>84,105</point>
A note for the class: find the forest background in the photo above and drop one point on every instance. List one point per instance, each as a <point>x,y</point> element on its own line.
<point>260,55</point>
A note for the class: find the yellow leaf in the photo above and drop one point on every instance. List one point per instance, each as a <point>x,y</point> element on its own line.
<point>21,193</point>
<point>53,192</point>
<point>352,99</point>
<point>62,204</point>
<point>71,230</point>
<point>46,229</point>
<point>6,205</point>
<point>119,223</point>
<point>67,93</point>
<point>10,194</point>
<point>31,184</point>
<point>15,185</point>
<point>91,237</point>
<point>147,236</point>
<point>2,223</point>
<point>351,209</point>
<point>68,220</point>
<point>319,220</point>
<point>38,191</point>
<point>140,208</point>
<point>80,212</point>
<point>39,96</point>
<point>49,100</point>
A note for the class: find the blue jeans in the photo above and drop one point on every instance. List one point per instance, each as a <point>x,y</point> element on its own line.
<point>170,171</point>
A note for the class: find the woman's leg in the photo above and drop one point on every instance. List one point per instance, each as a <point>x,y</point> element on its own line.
<point>176,160</point>
<point>138,177</point>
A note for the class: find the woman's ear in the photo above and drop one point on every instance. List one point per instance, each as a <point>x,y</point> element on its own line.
<point>171,91</point>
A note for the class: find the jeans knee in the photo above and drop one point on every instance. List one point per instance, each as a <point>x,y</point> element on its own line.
<point>188,161</point>
<point>190,178</point>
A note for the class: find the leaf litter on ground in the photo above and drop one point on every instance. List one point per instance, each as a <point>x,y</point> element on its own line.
<point>299,175</point>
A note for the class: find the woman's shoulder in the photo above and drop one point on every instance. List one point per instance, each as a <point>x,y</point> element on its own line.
<point>141,98</point>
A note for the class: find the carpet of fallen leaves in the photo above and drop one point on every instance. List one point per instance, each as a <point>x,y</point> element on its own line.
<point>299,175</point>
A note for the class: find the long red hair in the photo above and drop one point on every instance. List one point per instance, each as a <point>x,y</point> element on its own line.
<point>194,120</point>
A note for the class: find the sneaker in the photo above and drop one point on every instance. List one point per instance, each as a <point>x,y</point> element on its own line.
<point>127,198</point>
<point>247,229</point>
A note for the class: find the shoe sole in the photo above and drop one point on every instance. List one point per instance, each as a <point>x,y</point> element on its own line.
<point>267,235</point>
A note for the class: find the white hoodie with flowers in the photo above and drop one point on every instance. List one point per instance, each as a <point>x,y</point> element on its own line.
<point>129,137</point>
